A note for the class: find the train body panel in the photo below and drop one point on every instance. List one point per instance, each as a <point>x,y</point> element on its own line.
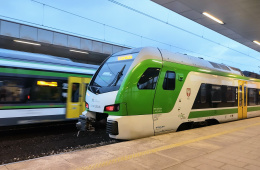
<point>97,103</point>
<point>28,116</point>
<point>161,91</point>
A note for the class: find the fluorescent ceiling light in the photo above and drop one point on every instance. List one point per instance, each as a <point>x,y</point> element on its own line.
<point>213,18</point>
<point>26,42</point>
<point>76,51</point>
<point>257,42</point>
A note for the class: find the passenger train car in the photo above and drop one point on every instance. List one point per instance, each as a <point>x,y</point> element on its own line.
<point>149,91</point>
<point>41,88</point>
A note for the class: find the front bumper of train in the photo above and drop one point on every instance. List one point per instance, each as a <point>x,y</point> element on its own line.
<point>130,127</point>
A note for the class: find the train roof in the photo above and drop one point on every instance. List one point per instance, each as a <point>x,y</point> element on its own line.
<point>198,62</point>
<point>129,51</point>
<point>43,62</point>
<point>183,59</point>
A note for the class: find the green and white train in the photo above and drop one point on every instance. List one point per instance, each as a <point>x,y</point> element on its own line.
<point>41,88</point>
<point>149,91</point>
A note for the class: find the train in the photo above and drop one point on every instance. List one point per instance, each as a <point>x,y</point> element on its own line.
<point>149,91</point>
<point>36,88</point>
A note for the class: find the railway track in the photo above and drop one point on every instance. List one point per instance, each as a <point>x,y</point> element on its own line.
<point>33,141</point>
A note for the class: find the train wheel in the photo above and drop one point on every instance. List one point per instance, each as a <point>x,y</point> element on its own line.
<point>185,126</point>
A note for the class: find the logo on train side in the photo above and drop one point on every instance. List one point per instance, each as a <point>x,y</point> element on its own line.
<point>188,92</point>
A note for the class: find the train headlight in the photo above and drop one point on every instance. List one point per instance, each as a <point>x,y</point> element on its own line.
<point>112,108</point>
<point>87,106</point>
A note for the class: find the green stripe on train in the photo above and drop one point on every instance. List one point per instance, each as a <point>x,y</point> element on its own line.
<point>32,106</point>
<point>55,65</point>
<point>42,73</point>
<point>205,113</point>
<point>251,109</point>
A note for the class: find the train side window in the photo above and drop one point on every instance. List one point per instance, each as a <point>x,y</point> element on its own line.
<point>169,81</point>
<point>11,90</point>
<point>258,94</point>
<point>245,102</point>
<point>149,79</point>
<point>203,93</point>
<point>46,91</point>
<point>252,97</point>
<point>75,92</point>
<point>231,94</point>
<point>240,96</point>
<point>64,89</point>
<point>216,94</point>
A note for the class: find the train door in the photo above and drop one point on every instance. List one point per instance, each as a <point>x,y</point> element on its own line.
<point>242,99</point>
<point>165,97</point>
<point>76,96</point>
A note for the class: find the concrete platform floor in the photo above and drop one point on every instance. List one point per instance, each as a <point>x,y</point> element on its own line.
<point>233,145</point>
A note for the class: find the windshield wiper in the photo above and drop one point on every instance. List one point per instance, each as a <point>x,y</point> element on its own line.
<point>117,78</point>
<point>95,84</point>
<point>94,87</point>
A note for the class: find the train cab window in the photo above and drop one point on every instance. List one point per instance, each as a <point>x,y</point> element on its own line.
<point>75,92</point>
<point>149,79</point>
<point>169,81</point>
<point>252,97</point>
<point>46,91</point>
<point>216,94</point>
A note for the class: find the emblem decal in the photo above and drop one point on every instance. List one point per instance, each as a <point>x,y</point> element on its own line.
<point>188,92</point>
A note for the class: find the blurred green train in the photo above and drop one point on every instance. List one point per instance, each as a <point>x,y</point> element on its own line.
<point>41,88</point>
<point>149,91</point>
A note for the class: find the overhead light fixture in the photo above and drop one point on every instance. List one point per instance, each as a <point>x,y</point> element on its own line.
<point>257,42</point>
<point>76,51</point>
<point>212,17</point>
<point>27,42</point>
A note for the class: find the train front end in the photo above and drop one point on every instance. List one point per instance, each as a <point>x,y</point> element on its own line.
<point>111,93</point>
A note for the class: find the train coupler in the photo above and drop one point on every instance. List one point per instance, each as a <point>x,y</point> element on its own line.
<point>85,123</point>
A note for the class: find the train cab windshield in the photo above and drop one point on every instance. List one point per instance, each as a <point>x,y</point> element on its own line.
<point>111,74</point>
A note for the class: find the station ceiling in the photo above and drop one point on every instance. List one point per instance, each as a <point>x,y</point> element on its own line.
<point>241,17</point>
<point>54,50</point>
<point>54,43</point>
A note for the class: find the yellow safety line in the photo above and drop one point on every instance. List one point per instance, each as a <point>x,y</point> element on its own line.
<point>135,155</point>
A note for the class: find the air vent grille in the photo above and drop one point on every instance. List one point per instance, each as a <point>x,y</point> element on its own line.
<point>219,66</point>
<point>224,67</point>
<point>215,65</point>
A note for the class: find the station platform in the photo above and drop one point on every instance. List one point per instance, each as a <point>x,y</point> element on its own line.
<point>227,146</point>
